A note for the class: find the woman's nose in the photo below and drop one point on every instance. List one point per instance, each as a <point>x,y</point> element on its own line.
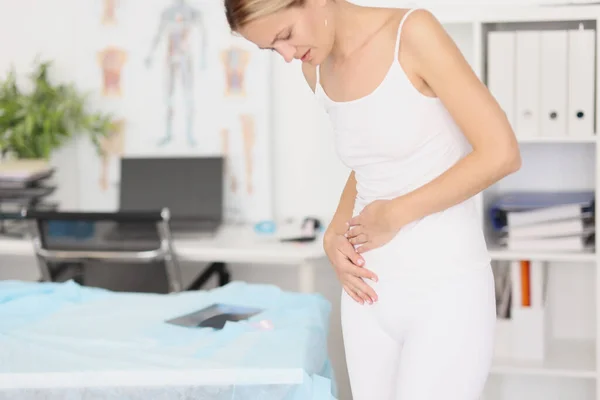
<point>286,51</point>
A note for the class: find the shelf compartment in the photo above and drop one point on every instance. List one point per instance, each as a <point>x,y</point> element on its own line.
<point>498,253</point>
<point>558,139</point>
<point>564,358</point>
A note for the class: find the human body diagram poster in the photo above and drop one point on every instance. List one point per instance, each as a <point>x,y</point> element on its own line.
<point>180,84</point>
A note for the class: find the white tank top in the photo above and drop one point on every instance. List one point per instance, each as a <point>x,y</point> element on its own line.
<point>397,139</point>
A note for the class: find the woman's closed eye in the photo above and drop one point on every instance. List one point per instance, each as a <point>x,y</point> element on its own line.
<point>287,36</point>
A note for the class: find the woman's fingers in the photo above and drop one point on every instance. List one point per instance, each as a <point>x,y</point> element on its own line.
<point>363,290</point>
<point>358,289</point>
<point>358,239</point>
<point>352,294</point>
<point>354,280</point>
<point>358,295</point>
<point>349,265</point>
<point>365,297</point>
<point>349,252</point>
<point>353,231</point>
<point>360,272</point>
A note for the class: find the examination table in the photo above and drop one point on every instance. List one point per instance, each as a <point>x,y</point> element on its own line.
<point>65,341</point>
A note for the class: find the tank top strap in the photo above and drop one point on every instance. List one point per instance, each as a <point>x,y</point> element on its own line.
<point>397,48</point>
<point>318,91</point>
<point>318,81</point>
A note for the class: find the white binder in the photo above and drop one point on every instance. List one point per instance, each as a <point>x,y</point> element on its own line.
<point>501,70</point>
<point>528,330</point>
<point>582,51</point>
<point>527,114</point>
<point>554,83</point>
<point>538,284</point>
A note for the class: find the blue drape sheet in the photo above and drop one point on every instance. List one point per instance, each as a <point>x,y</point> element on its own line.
<point>79,338</point>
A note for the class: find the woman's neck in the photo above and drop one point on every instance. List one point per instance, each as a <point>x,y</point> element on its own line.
<point>354,26</point>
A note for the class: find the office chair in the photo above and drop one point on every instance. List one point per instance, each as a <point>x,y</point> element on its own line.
<point>119,251</point>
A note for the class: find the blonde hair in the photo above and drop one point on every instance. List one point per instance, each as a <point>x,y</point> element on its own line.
<point>241,12</point>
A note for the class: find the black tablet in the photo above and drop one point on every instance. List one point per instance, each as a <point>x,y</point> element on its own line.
<point>215,316</point>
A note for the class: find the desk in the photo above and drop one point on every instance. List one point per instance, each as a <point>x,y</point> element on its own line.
<point>231,244</point>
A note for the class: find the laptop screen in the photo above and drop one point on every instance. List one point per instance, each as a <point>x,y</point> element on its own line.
<point>191,187</point>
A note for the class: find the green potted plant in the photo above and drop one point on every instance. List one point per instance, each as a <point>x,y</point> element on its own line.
<point>35,123</point>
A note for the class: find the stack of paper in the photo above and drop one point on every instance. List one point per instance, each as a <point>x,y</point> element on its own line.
<point>24,180</point>
<point>21,172</point>
<point>548,221</point>
<point>23,184</point>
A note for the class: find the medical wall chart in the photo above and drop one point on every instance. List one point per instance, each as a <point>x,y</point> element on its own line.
<point>182,85</point>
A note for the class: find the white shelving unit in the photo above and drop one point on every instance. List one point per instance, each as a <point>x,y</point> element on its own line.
<point>569,369</point>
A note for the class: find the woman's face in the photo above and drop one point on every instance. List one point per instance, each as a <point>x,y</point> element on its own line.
<point>295,33</point>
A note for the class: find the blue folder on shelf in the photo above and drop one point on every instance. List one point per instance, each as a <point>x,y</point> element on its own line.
<point>516,201</point>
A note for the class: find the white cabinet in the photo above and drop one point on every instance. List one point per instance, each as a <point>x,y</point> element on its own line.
<point>541,64</point>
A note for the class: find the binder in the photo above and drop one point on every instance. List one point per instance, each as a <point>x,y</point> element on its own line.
<point>519,208</point>
<point>554,82</point>
<point>565,243</point>
<point>581,63</point>
<point>501,67</point>
<point>552,227</point>
<point>527,115</point>
<point>525,283</point>
<point>538,284</point>
<point>547,214</point>
<point>528,317</point>
<point>516,284</point>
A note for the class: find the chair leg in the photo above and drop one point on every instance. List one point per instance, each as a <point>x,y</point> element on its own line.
<point>218,268</point>
<point>224,276</point>
<point>67,271</point>
<point>79,275</point>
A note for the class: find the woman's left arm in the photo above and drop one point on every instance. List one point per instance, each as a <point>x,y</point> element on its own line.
<point>495,151</point>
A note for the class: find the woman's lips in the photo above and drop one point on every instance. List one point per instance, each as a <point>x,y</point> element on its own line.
<point>306,56</point>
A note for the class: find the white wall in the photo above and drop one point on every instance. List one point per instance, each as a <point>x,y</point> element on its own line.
<point>308,178</point>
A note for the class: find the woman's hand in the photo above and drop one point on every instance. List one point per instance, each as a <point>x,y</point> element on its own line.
<point>349,267</point>
<point>375,226</point>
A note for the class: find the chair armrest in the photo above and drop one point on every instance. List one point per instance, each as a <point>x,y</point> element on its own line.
<point>119,216</point>
<point>122,256</point>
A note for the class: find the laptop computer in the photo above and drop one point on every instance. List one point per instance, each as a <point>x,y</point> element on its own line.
<point>190,187</point>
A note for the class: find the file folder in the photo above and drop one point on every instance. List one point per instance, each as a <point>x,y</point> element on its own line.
<point>582,52</point>
<point>520,208</point>
<point>538,284</point>
<point>501,70</point>
<point>527,118</point>
<point>554,82</point>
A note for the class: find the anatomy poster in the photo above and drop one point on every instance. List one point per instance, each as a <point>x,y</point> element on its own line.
<point>181,29</point>
<point>109,12</point>
<point>235,61</point>
<point>111,61</point>
<point>239,150</point>
<point>112,148</point>
<point>186,86</point>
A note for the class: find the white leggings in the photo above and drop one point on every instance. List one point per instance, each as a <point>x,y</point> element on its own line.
<point>422,342</point>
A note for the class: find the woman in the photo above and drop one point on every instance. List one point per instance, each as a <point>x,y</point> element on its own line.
<point>422,136</point>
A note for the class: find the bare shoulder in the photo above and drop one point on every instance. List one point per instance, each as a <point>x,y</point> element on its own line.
<point>440,65</point>
<point>310,75</point>
<point>423,34</point>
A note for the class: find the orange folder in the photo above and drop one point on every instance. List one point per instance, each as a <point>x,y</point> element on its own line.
<point>525,284</point>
